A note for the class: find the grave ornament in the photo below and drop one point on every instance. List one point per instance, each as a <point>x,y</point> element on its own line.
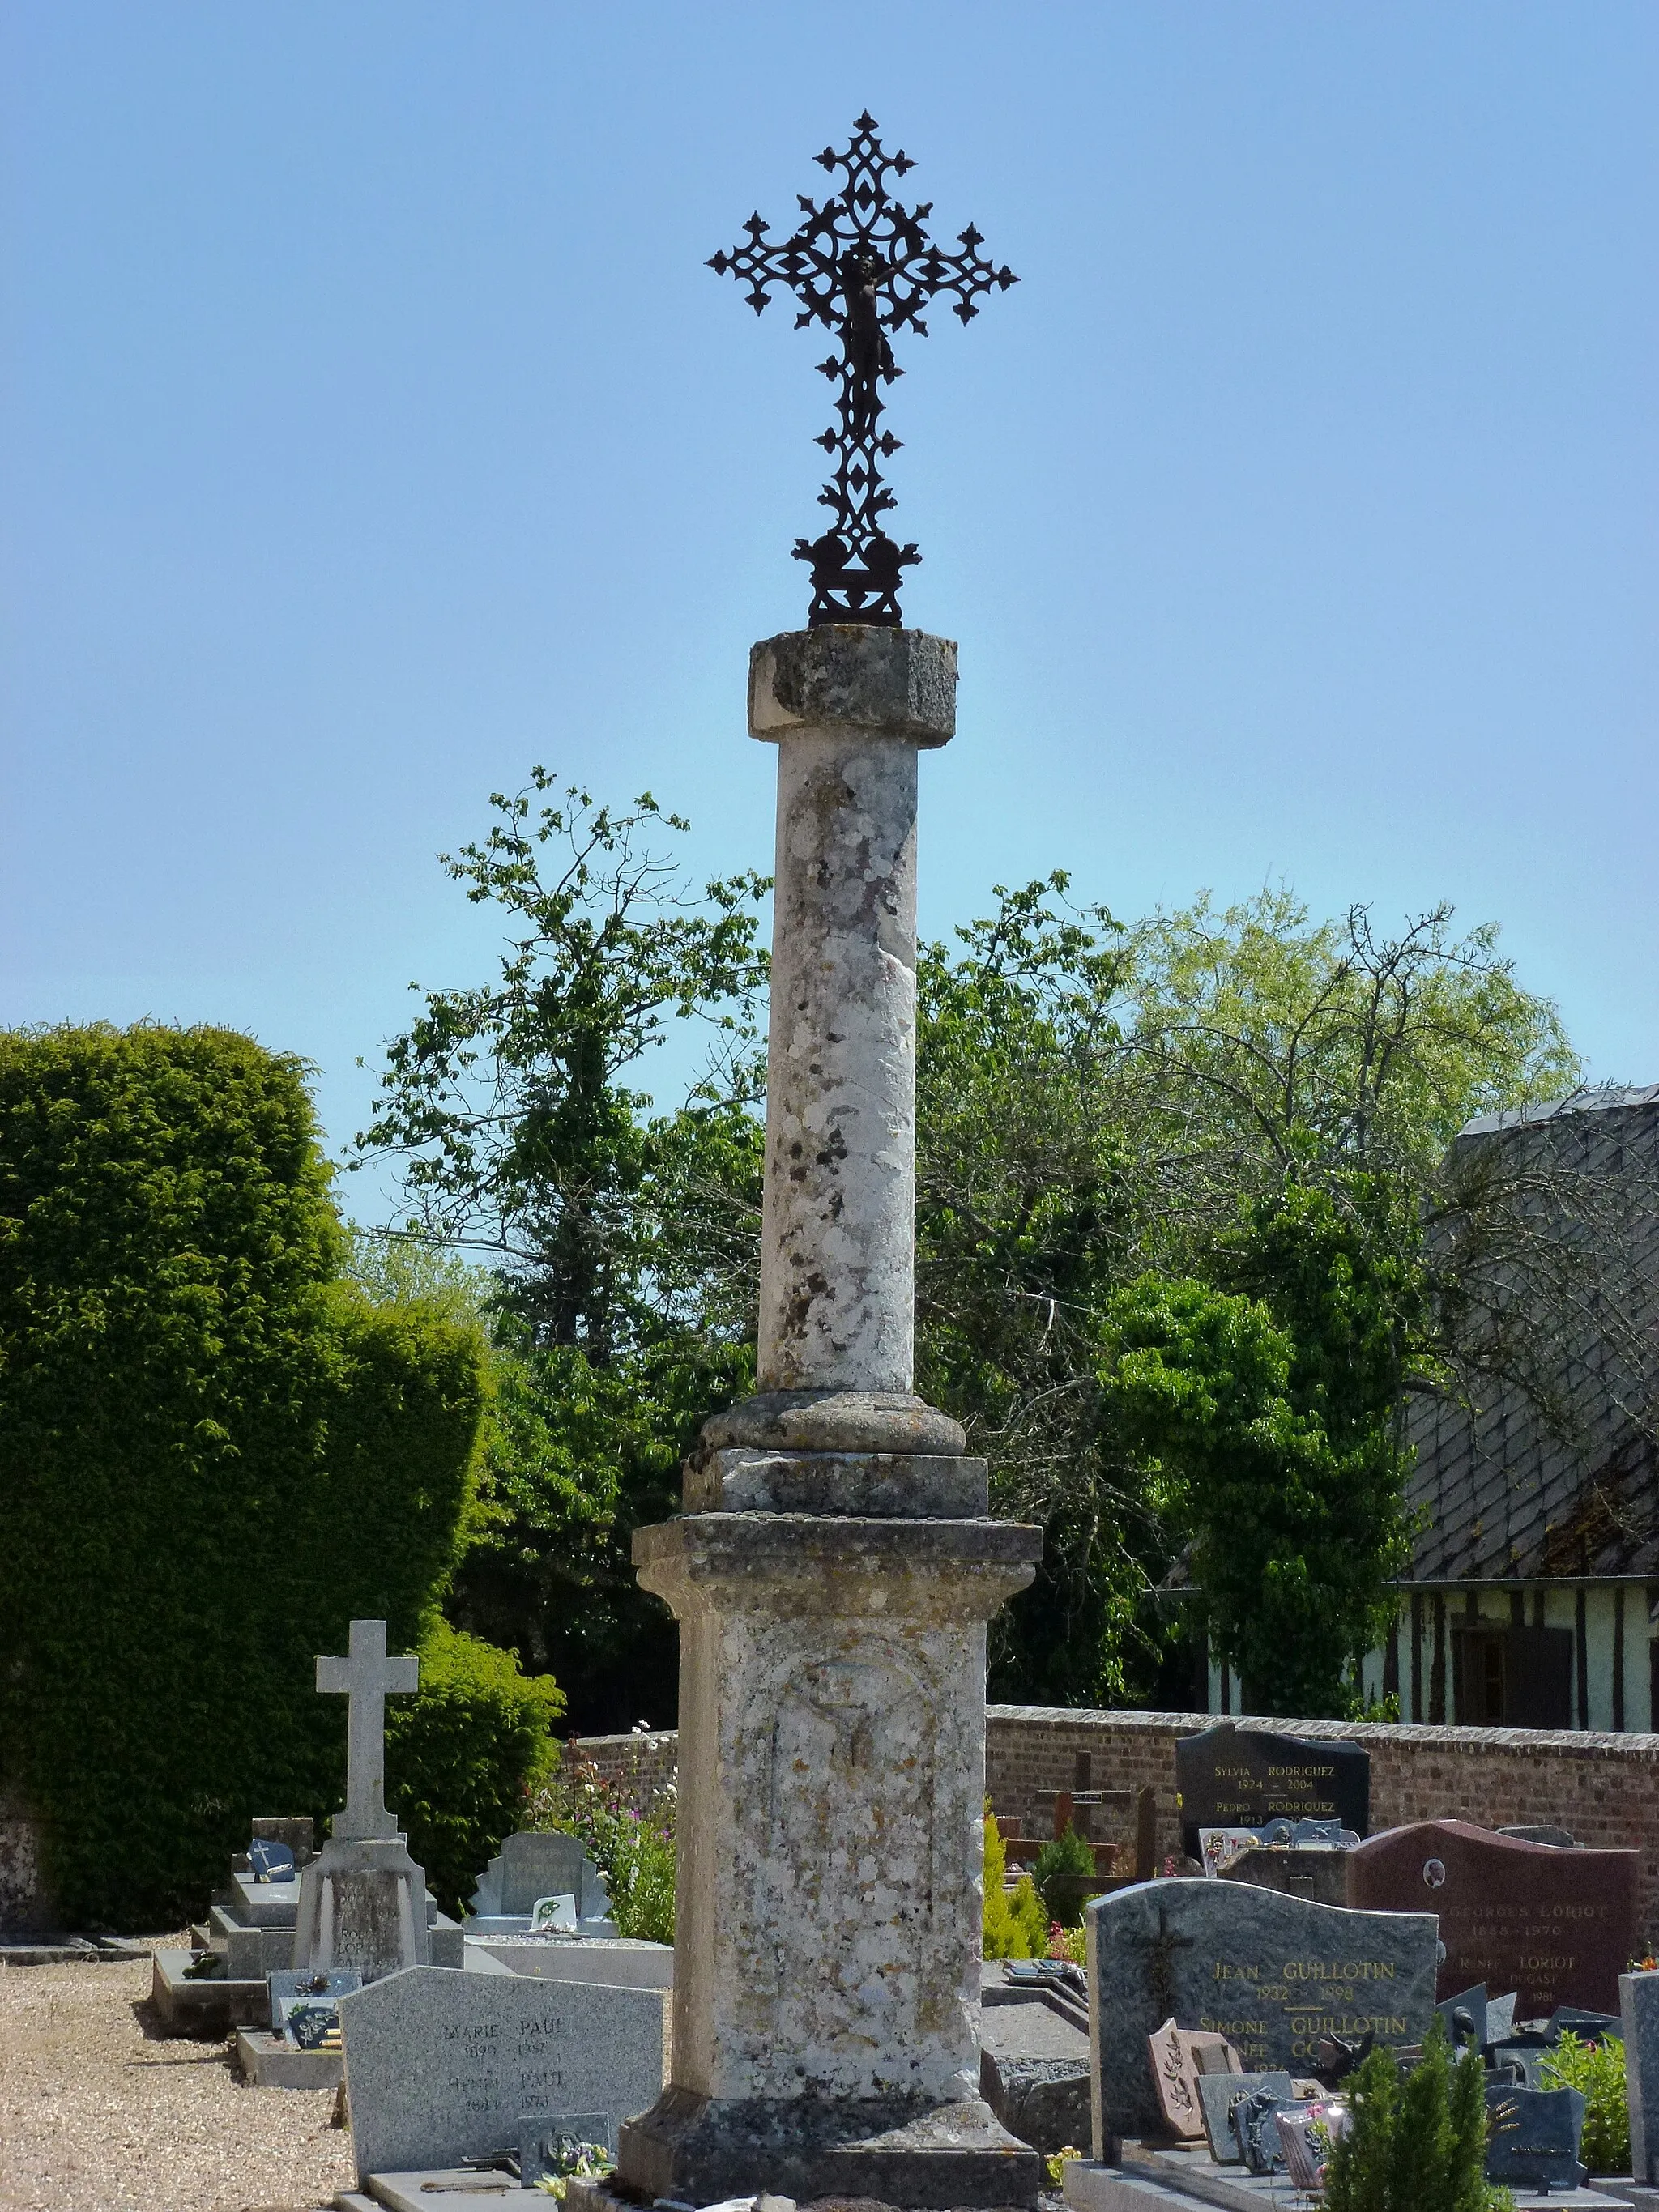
<point>1179,2057</point>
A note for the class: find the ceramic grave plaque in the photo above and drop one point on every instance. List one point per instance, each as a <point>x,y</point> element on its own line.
<point>442,2066</point>
<point>1179,2056</point>
<point>1557,1926</point>
<point>1234,1777</point>
<point>1270,1972</point>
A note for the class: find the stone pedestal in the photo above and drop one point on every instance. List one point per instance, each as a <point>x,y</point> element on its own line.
<point>362,1905</point>
<point>835,1567</point>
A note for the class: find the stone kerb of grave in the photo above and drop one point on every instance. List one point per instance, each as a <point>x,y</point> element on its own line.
<point>1236,1777</point>
<point>1269,1972</point>
<point>1557,1926</point>
<point>443,2067</point>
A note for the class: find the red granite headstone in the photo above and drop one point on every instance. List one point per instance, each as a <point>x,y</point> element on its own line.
<point>1557,1926</point>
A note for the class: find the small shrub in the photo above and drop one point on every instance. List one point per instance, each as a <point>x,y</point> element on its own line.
<point>1597,2070</point>
<point>1070,1943</point>
<point>1417,2141</point>
<point>1014,1925</point>
<point>465,1755</point>
<point>1071,1859</point>
<point>633,1850</point>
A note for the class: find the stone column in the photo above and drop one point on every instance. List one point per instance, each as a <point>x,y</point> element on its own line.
<point>834,1568</point>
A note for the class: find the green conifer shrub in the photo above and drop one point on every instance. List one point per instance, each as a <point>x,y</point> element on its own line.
<point>1418,2141</point>
<point>1014,1923</point>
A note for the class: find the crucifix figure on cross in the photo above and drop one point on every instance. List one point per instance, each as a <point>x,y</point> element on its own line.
<point>367,1677</point>
<point>863,266</point>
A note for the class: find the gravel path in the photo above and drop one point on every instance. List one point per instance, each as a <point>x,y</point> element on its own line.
<point>98,2113</point>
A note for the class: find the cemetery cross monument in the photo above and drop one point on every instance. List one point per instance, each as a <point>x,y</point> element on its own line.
<point>835,1564</point>
<point>362,1900</point>
<point>365,1677</point>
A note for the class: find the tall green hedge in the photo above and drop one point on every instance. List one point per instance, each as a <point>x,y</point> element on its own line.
<point>213,1455</point>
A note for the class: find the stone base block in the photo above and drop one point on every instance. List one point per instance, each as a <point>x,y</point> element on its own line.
<point>899,1485</point>
<point>270,2063</point>
<point>701,2150</point>
<point>206,2008</point>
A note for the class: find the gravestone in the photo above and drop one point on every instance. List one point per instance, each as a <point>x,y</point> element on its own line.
<point>1540,1831</point>
<point>1534,2137</point>
<point>362,1901</point>
<point>1234,1777</point>
<point>1271,1974</point>
<point>443,2067</point>
<point>533,1865</point>
<point>1639,2007</point>
<point>1557,1926</point>
<point>1319,1874</point>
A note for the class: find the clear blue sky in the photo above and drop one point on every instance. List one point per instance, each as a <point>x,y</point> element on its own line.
<point>372,428</point>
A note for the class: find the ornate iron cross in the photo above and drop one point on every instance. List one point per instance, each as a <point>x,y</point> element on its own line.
<point>862,265</point>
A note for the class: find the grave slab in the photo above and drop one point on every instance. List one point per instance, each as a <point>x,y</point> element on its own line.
<point>1234,1777</point>
<point>269,2062</point>
<point>442,2066</point>
<point>1536,2135</point>
<point>204,2006</point>
<point>1271,1974</point>
<point>1192,2178</point>
<point>1557,1926</point>
<point>625,1963</point>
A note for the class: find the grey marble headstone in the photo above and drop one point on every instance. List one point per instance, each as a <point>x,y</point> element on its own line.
<point>534,1863</point>
<point>1500,2016</point>
<point>442,2066</point>
<point>1272,1974</point>
<point>1639,2007</point>
<point>1534,2137</point>
<point>1219,2095</point>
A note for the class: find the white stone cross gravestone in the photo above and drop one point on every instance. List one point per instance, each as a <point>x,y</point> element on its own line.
<point>367,1677</point>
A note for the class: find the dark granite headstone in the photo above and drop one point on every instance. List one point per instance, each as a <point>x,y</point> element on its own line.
<point>1540,1831</point>
<point>1234,1777</point>
<point>1534,2137</point>
<point>1557,1926</point>
<point>1272,1974</point>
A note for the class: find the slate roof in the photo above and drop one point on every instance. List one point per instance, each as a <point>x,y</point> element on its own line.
<point>1507,1497</point>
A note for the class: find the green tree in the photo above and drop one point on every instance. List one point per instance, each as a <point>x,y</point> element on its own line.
<point>621,1241</point>
<point>214,1453</point>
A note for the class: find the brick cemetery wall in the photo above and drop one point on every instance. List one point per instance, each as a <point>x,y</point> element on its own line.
<point>1604,1789</point>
